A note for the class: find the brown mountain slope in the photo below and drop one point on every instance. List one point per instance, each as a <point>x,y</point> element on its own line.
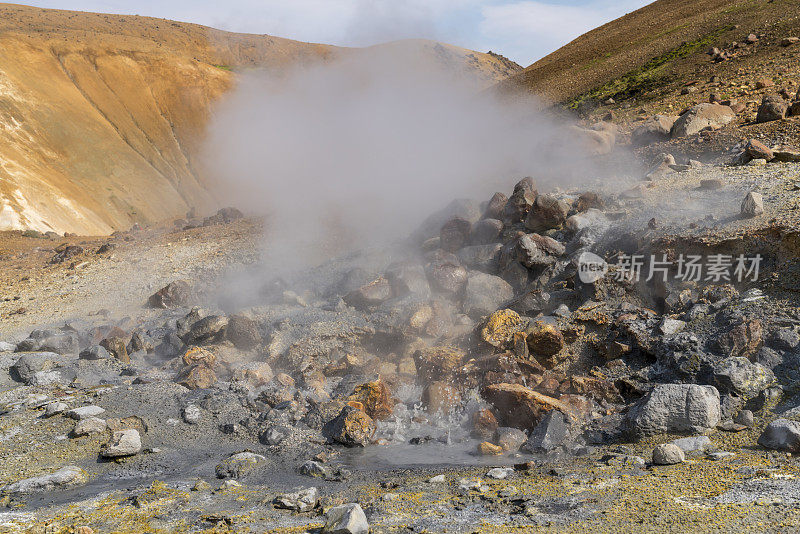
<point>659,42</point>
<point>102,116</point>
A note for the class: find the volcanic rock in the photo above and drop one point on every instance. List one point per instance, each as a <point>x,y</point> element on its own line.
<point>199,376</point>
<point>544,339</point>
<point>242,332</point>
<point>500,327</point>
<point>376,399</point>
<point>758,150</point>
<point>668,454</point>
<point>454,234</point>
<point>481,257</point>
<point>351,428</point>
<point>118,347</point>
<point>741,377</point>
<point>675,408</point>
<point>484,424</point>
<point>346,519</point>
<point>743,339</point>
<point>239,464</point>
<point>655,129</point>
<point>64,477</point>
<point>702,117</point>
<point>486,231</point>
<point>510,439</point>
<point>485,293</point>
<point>446,274</point>
<point>551,432</point>
<point>521,200</point>
<point>495,207</point>
<point>521,407</point>
<point>172,295</point>
<point>437,363</point>
<point>781,435</point>
<point>123,443</point>
<point>546,213</point>
<point>752,205</point>
<point>302,500</point>
<point>87,426</point>
<point>773,108</point>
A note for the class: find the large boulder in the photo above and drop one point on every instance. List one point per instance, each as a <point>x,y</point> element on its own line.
<point>675,408</point>
<point>702,117</point>
<point>346,519</point>
<point>654,129</point>
<point>547,212</point>
<point>551,432</point>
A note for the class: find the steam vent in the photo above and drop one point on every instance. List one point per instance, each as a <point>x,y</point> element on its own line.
<point>393,285</point>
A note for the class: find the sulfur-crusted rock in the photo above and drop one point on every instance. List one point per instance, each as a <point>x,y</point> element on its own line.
<point>376,399</point>
<point>501,326</point>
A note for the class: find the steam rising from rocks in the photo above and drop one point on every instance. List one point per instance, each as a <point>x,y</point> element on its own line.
<point>358,151</point>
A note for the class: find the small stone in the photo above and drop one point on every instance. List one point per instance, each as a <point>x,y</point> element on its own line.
<point>87,426</point>
<point>64,477</point>
<point>191,414</point>
<point>509,439</point>
<point>201,485</point>
<point>745,417</point>
<point>55,408</point>
<point>95,352</point>
<point>438,479</point>
<point>693,444</point>
<point>346,519</point>
<point>486,448</point>
<point>671,326</point>
<point>301,500</point>
<point>123,443</point>
<point>668,454</point>
<point>752,205</point>
<point>500,473</point>
<point>84,411</point>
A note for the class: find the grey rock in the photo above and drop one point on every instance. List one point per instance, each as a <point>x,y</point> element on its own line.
<point>481,257</point>
<point>752,205</point>
<point>84,411</point>
<point>781,435</point>
<point>55,408</point>
<point>671,326</point>
<point>500,473</point>
<point>315,469</point>
<point>551,432</point>
<point>346,519</point>
<point>772,108</point>
<point>301,500</point>
<point>485,293</point>
<point>675,408</point>
<point>784,339</point>
<point>239,464</point>
<point>64,477</point>
<point>205,329</point>
<point>742,377</point>
<point>693,444</point>
<point>655,129</point>
<point>745,417</point>
<point>702,117</point>
<point>95,352</point>
<point>5,346</point>
<point>668,454</point>
<point>511,439</point>
<point>486,231</point>
<point>123,443</point>
<point>87,426</point>
<point>191,414</point>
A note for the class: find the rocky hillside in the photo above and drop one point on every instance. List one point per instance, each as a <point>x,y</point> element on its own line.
<point>102,116</point>
<point>661,44</point>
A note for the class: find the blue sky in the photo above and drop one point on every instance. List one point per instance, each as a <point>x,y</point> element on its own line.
<point>523,30</point>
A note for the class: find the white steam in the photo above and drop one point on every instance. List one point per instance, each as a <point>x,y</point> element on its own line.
<point>359,151</point>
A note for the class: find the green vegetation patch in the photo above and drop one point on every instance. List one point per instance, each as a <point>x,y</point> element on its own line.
<point>650,75</point>
<point>224,67</point>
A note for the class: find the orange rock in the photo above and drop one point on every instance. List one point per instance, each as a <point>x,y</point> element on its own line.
<point>375,398</point>
<point>196,355</point>
<point>501,326</point>
<point>486,448</point>
<point>484,423</point>
<point>117,347</point>
<point>355,404</point>
<point>351,427</point>
<point>521,407</point>
<point>198,376</point>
